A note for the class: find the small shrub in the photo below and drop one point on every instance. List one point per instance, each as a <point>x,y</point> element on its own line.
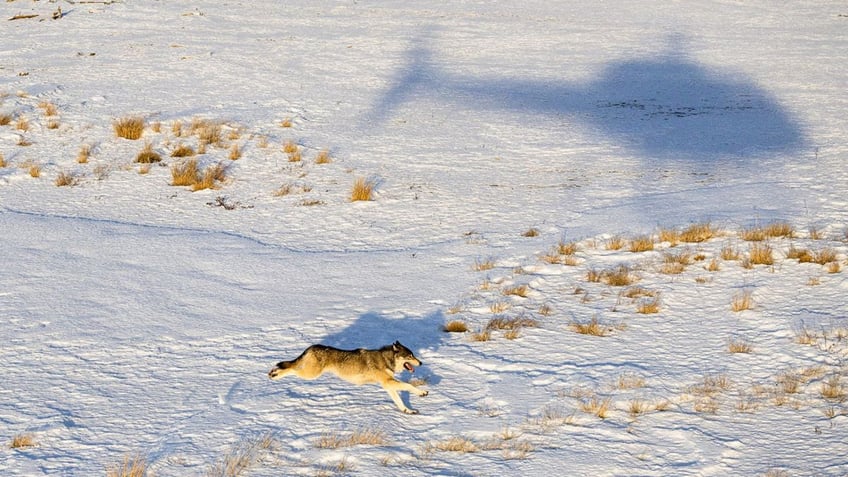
<point>482,335</point>
<point>803,255</point>
<point>824,256</point>
<point>779,229</point>
<point>183,150</point>
<point>235,152</point>
<point>648,306</point>
<point>290,147</point>
<point>323,157</point>
<point>761,254</point>
<point>286,123</point>
<point>131,466</point>
<point>697,233</point>
<point>501,323</point>
<point>739,346</point>
<point>620,276</point>
<point>531,232</point>
<point>34,170</point>
<point>713,265</point>
<point>516,290</point>
<point>22,124</point>
<point>593,327</point>
<point>730,253</point>
<point>614,243</point>
<point>21,441</point>
<point>147,155</point>
<point>5,119</point>
<point>184,173</point>
<point>643,243</point>
<point>363,190</point>
<point>129,127</point>
<point>742,301</point>
<point>669,235</point>
<point>49,108</point>
<point>596,406</point>
<point>483,265</point>
<point>211,176</point>
<point>456,326</point>
<point>65,179</point>
<point>833,389</point>
<point>84,154</point>
<point>457,444</point>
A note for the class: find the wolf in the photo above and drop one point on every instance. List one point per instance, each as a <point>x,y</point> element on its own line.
<point>358,366</point>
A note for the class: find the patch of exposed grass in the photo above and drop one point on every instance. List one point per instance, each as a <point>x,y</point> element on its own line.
<point>481,265</point>
<point>742,300</point>
<point>323,157</point>
<point>642,243</point>
<point>134,465</point>
<point>65,178</point>
<point>363,190</point>
<point>517,322</point>
<point>84,154</point>
<point>760,254</point>
<point>147,155</point>
<point>241,457</point>
<point>739,346</point>
<point>516,290</point>
<point>592,327</point>
<point>183,150</point>
<point>131,127</point>
<point>697,233</point>
<point>648,306</point>
<point>21,441</point>
<point>367,436</point>
<point>456,326</point>
<point>184,173</point>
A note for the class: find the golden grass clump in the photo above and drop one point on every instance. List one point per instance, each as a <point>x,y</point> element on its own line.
<point>290,147</point>
<point>323,157</point>
<point>833,389</point>
<point>22,124</point>
<point>363,190</point>
<point>531,232</point>
<point>739,346</point>
<point>131,127</point>
<point>34,169</point>
<point>516,290</point>
<point>501,323</point>
<point>286,123</point>
<point>183,150</point>
<point>648,306</point>
<point>211,176</point>
<point>760,254</point>
<point>84,154</point>
<point>184,173</point>
<point>2,161</point>
<point>642,243</point>
<point>235,152</point>
<point>455,326</point>
<point>147,155</point>
<point>131,466</point>
<point>803,255</point>
<point>593,327</point>
<point>824,256</point>
<point>368,436</point>
<point>482,335</point>
<point>697,233</point>
<point>241,457</point>
<point>65,179</point>
<point>615,243</point>
<point>48,108</point>
<point>619,276</point>
<point>598,407</point>
<point>21,441</point>
<point>671,236</point>
<point>5,119</point>
<point>742,301</point>
<point>482,265</point>
<point>207,131</point>
<point>457,444</point>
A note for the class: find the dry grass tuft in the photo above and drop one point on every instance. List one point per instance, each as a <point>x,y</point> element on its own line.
<point>131,127</point>
<point>184,173</point>
<point>593,327</point>
<point>456,326</point>
<point>212,175</point>
<point>615,243</point>
<point>761,254</point>
<point>518,322</point>
<point>368,436</point>
<point>598,407</point>
<point>286,123</point>
<point>531,232</point>
<point>131,466</point>
<point>183,150</point>
<point>235,152</point>
<point>457,444</point>
<point>516,290</point>
<point>620,276</point>
<point>65,179</point>
<point>643,243</point>
<point>824,256</point>
<point>323,157</point>
<point>697,233</point>
<point>482,335</point>
<point>34,169</point>
<point>241,457</point>
<point>22,124</point>
<point>21,441</point>
<point>5,119</point>
<point>84,154</point>
<point>2,161</point>
<point>49,108</point>
<point>481,265</point>
<point>669,235</point>
<point>147,155</point>
<point>363,189</point>
<point>648,306</point>
<point>833,389</point>
<point>630,381</point>
<point>742,301</point>
<point>207,131</point>
<point>739,346</point>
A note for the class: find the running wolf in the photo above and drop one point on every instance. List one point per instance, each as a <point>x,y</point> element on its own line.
<point>358,366</point>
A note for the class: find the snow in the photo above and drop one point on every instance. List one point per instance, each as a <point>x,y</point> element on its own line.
<point>142,318</point>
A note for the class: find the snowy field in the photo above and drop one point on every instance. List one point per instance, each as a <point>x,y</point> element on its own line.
<point>638,210</point>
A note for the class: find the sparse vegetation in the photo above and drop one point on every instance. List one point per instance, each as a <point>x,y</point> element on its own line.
<point>456,326</point>
<point>644,243</point>
<point>363,190</point>
<point>134,465</point>
<point>742,300</point>
<point>21,441</point>
<point>241,457</point>
<point>147,155</point>
<point>592,327</point>
<point>131,127</point>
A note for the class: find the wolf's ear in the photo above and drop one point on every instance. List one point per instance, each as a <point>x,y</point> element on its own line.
<point>396,345</point>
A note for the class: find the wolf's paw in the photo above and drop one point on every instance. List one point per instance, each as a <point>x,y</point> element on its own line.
<point>410,411</point>
<point>423,393</point>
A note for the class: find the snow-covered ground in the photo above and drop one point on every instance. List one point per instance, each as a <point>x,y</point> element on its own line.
<point>141,318</point>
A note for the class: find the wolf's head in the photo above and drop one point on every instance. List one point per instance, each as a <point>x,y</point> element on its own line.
<point>403,358</point>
